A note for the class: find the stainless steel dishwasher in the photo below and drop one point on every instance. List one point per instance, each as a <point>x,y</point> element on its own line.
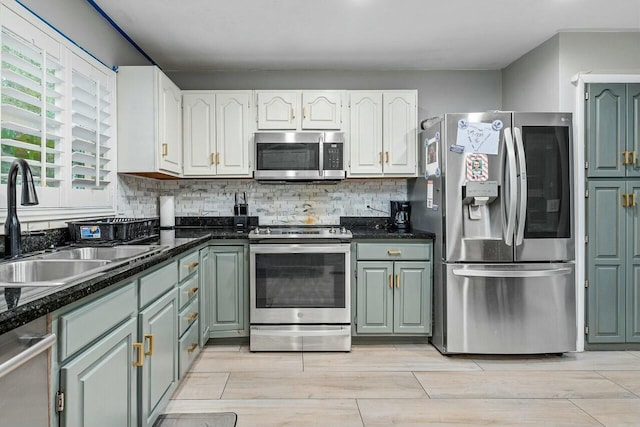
<point>24,375</point>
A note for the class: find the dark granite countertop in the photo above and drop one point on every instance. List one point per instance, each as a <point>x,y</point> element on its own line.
<point>36,302</point>
<point>383,233</point>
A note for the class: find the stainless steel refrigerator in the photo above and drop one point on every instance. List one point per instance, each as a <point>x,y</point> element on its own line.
<point>496,188</point>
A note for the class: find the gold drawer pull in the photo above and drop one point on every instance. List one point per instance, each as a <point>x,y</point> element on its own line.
<point>150,338</point>
<point>192,265</point>
<point>192,348</point>
<point>192,291</point>
<point>193,316</point>
<point>397,280</point>
<point>391,281</point>
<point>139,347</point>
<point>394,252</point>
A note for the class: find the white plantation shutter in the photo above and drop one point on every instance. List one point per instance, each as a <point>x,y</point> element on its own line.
<point>31,109</point>
<point>92,165</point>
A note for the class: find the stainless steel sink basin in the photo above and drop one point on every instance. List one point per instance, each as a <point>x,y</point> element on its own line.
<point>40,272</point>
<point>113,253</point>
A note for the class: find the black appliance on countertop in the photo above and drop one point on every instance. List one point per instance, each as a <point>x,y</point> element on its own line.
<point>400,215</point>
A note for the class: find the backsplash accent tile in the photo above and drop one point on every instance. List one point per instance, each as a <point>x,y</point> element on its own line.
<point>272,203</point>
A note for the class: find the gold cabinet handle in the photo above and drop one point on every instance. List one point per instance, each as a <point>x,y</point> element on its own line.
<point>391,281</point>
<point>293,113</point>
<point>212,158</point>
<point>386,153</point>
<point>165,150</point>
<point>192,348</point>
<point>625,157</point>
<point>150,338</point>
<point>192,265</point>
<point>394,252</point>
<point>633,200</point>
<point>304,112</point>
<point>191,292</point>
<point>193,316</point>
<point>625,202</point>
<point>217,158</point>
<point>397,281</point>
<point>634,158</point>
<point>139,347</point>
<point>380,157</point>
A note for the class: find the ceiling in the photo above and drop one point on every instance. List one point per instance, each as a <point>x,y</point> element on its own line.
<point>193,35</point>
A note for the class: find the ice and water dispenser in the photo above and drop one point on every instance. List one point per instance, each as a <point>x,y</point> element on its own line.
<point>479,211</point>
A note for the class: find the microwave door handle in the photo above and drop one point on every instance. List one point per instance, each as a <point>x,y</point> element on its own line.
<point>509,200</point>
<point>522,185</point>
<point>321,157</point>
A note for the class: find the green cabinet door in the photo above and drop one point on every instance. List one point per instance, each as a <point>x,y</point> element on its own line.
<point>606,270</point>
<point>227,298</point>
<point>633,129</point>
<point>412,297</point>
<point>206,273</point>
<point>100,384</point>
<point>633,263</point>
<point>606,130</point>
<point>375,288</point>
<point>159,334</point>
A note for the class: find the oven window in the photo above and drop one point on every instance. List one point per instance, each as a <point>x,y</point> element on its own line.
<point>282,157</point>
<point>300,280</point>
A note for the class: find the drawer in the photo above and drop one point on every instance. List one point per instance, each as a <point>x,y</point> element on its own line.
<point>188,265</point>
<point>84,325</point>
<point>188,316</point>
<point>189,348</point>
<point>393,251</point>
<point>155,284</point>
<point>187,290</point>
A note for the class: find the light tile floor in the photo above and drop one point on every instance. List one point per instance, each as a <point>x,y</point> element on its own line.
<point>412,385</point>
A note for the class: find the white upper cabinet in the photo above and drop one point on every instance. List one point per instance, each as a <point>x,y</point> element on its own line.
<point>149,122</point>
<point>217,133</point>
<point>383,133</point>
<point>299,110</point>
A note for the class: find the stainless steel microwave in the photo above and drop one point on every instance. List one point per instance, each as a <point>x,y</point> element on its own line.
<point>299,156</point>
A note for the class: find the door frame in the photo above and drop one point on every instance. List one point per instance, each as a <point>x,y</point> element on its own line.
<point>580,80</point>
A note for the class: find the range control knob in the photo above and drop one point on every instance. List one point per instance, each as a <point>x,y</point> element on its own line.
<point>268,230</point>
<point>332,230</point>
<point>257,230</point>
<point>343,230</point>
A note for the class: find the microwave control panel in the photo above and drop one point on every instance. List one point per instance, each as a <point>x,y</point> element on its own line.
<point>333,156</point>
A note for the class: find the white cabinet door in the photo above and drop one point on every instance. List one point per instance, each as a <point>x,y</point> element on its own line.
<point>170,122</point>
<point>365,134</point>
<point>321,110</point>
<point>400,132</point>
<point>199,134</point>
<point>233,139</point>
<point>278,109</point>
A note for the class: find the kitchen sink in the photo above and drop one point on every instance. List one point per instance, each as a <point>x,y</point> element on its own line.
<point>50,272</point>
<point>113,253</point>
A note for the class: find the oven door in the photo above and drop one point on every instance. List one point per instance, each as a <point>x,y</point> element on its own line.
<point>294,283</point>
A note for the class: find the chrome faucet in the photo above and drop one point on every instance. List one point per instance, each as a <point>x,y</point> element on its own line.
<point>12,241</point>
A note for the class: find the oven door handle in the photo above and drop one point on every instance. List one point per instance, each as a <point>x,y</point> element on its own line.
<point>299,248</point>
<point>18,360</point>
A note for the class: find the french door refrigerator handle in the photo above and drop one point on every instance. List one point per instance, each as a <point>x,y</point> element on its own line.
<point>511,273</point>
<point>522,196</point>
<point>510,174</point>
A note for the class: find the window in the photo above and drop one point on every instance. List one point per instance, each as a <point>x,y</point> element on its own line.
<point>56,113</point>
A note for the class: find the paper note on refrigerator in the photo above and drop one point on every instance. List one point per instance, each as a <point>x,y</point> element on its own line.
<point>479,137</point>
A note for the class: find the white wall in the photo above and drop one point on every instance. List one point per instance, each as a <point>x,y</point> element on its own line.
<point>531,82</point>
<point>79,21</point>
<point>438,91</point>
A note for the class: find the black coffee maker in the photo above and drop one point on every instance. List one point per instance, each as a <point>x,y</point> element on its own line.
<point>400,215</point>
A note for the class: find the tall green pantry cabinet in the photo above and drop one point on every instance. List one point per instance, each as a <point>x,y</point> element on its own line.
<point>613,213</point>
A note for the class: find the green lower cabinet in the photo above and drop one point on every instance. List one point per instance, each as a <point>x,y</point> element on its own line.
<point>159,373</point>
<point>101,383</point>
<point>393,297</point>
<point>613,271</point>
<point>227,294</point>
<point>206,272</point>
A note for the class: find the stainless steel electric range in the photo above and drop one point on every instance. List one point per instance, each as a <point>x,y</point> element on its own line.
<point>300,288</point>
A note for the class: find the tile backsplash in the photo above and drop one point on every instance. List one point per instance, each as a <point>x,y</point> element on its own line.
<point>272,203</point>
